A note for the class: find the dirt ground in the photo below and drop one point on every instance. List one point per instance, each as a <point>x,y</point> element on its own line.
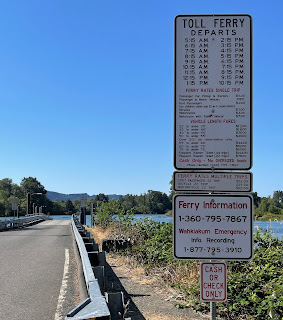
<point>145,297</point>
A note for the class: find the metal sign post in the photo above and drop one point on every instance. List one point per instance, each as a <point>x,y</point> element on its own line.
<point>83,210</point>
<point>92,214</point>
<point>212,311</point>
<point>14,208</point>
<point>213,134</point>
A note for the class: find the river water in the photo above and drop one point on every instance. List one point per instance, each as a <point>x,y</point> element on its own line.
<point>275,226</point>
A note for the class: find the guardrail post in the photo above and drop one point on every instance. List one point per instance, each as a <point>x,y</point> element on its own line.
<point>97,258</point>
<point>90,244</point>
<point>116,305</point>
<point>95,246</point>
<point>100,276</point>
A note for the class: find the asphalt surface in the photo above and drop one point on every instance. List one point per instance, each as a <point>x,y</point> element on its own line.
<point>33,261</point>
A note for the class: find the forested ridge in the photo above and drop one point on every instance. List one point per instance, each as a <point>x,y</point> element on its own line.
<point>151,202</point>
<point>51,195</point>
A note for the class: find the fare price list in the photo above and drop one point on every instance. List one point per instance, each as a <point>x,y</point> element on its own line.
<point>216,227</point>
<point>198,181</point>
<point>213,92</point>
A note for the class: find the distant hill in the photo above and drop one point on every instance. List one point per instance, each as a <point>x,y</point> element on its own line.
<point>51,195</point>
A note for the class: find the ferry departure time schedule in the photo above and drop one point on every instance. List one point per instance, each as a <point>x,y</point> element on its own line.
<point>213,100</point>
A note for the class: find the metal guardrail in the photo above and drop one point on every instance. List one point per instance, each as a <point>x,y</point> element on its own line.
<point>23,221</point>
<point>94,307</point>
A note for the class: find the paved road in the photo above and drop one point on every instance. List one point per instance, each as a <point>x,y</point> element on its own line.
<point>37,269</point>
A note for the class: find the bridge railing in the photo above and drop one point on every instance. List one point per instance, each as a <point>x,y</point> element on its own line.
<point>22,221</point>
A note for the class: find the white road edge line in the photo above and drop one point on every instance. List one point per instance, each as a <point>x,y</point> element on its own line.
<point>63,289</point>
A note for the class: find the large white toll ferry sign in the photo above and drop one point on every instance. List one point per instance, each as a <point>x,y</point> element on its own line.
<point>213,227</point>
<point>213,100</point>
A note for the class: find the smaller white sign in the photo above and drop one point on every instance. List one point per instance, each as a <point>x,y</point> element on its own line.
<point>213,284</point>
<point>14,206</point>
<point>198,181</point>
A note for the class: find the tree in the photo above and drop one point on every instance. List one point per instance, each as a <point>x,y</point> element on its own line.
<point>2,209</point>
<point>114,206</point>
<point>140,204</point>
<point>273,209</point>
<point>18,192</point>
<point>102,198</point>
<point>70,209</point>
<point>277,199</point>
<point>6,185</point>
<point>157,202</point>
<point>32,185</point>
<point>77,204</point>
<point>263,207</point>
<point>129,202</point>
<point>58,208</point>
<point>5,205</point>
<point>256,199</point>
<point>8,189</point>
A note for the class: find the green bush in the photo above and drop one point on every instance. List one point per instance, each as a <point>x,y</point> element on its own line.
<point>151,241</point>
<point>275,210</point>
<point>103,216</point>
<point>255,288</point>
<point>155,243</point>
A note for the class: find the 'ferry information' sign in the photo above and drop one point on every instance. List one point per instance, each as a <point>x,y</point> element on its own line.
<point>213,227</point>
<point>213,99</point>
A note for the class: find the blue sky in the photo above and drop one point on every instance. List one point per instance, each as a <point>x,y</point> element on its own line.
<point>86,92</point>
